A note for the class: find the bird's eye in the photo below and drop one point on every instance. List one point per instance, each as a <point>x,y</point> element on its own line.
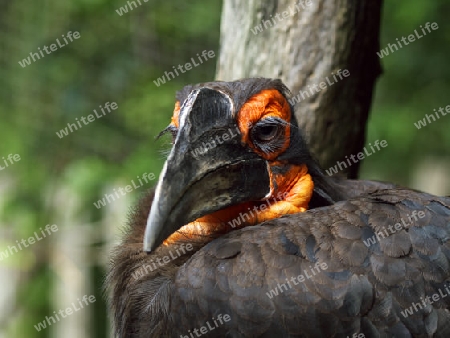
<point>266,130</point>
<point>268,134</point>
<point>265,133</point>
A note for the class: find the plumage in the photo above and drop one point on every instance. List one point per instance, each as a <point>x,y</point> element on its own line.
<point>363,253</point>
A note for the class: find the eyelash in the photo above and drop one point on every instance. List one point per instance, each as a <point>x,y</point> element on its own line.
<point>274,143</point>
<point>170,128</point>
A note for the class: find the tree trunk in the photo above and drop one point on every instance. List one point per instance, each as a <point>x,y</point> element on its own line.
<point>305,46</point>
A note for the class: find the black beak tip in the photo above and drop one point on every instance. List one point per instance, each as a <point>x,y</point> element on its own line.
<point>148,248</point>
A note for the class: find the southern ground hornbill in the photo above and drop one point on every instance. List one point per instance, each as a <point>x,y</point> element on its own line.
<point>245,236</point>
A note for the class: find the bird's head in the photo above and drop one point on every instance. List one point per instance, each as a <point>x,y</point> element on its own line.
<point>238,158</point>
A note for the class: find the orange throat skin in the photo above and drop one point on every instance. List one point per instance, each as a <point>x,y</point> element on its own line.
<point>291,189</point>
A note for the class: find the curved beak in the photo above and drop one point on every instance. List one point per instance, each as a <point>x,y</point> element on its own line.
<point>208,168</point>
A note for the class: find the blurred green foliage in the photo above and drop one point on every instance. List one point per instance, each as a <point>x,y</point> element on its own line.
<point>416,80</point>
<point>116,59</point>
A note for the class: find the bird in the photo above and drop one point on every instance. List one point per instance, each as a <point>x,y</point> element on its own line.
<point>245,236</point>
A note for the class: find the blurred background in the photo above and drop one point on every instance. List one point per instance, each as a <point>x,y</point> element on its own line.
<point>117,58</point>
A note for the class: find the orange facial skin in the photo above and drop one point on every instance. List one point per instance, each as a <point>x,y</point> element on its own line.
<point>176,115</point>
<point>292,196</point>
<point>290,191</point>
<point>267,103</point>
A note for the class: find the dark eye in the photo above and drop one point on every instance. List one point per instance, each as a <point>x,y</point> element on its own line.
<point>268,134</point>
<point>265,133</point>
<point>266,130</point>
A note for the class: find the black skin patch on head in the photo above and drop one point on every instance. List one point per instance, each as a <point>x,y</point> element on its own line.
<point>240,90</point>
